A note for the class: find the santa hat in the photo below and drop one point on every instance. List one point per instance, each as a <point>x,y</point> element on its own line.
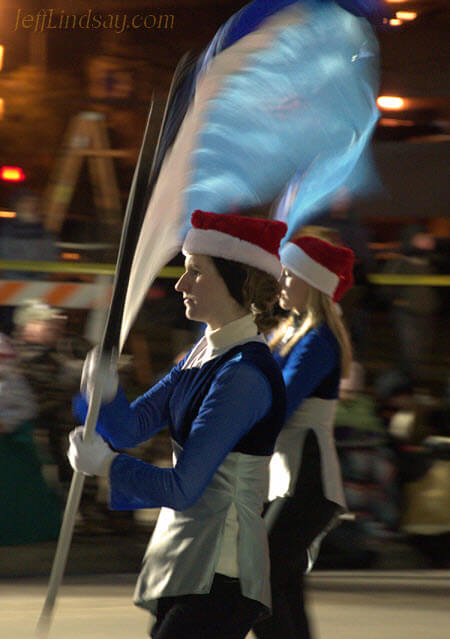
<point>249,240</point>
<point>325,266</point>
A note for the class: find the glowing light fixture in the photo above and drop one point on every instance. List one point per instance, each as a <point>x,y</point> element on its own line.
<point>12,174</point>
<point>7,214</point>
<point>70,256</point>
<point>2,108</point>
<point>394,22</point>
<point>406,15</point>
<point>390,102</point>
<point>2,50</point>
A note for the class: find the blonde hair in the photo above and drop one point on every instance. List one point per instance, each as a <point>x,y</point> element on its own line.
<point>319,308</point>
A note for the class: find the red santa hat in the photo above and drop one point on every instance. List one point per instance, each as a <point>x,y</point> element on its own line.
<point>248,240</point>
<point>325,266</point>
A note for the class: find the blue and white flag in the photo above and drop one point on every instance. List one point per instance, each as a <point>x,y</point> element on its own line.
<point>287,89</point>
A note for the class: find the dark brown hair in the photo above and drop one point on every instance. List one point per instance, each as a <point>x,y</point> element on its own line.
<point>252,288</point>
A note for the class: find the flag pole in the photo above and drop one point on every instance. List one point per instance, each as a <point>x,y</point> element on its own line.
<point>76,487</point>
<point>140,192</point>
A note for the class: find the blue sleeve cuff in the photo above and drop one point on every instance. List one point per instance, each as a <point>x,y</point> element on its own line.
<point>115,423</point>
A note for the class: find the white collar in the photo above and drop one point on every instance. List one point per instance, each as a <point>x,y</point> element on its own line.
<point>239,330</point>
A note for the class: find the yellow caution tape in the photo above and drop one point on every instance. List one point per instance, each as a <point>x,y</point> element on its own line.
<point>173,272</point>
<point>390,279</point>
<point>76,268</point>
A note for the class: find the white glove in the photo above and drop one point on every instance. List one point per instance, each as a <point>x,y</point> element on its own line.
<point>92,457</point>
<point>108,374</point>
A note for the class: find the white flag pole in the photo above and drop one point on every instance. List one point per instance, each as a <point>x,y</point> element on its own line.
<point>76,487</point>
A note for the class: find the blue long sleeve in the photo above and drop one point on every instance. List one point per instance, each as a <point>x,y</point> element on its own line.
<point>238,398</point>
<point>124,425</point>
<point>310,361</point>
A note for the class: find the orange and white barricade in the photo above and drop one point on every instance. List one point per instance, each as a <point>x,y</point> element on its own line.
<point>61,294</point>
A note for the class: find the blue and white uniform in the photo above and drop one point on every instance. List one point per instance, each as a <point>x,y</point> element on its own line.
<point>311,372</point>
<point>224,404</point>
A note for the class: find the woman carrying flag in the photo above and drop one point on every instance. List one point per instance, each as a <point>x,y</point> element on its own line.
<point>206,570</point>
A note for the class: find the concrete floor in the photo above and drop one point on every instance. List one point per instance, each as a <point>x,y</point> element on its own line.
<point>406,605</point>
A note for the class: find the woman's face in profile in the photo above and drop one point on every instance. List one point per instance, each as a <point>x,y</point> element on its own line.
<point>205,295</point>
<point>294,292</point>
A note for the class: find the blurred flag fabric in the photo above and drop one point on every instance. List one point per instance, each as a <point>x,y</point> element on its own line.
<point>303,203</point>
<point>285,91</point>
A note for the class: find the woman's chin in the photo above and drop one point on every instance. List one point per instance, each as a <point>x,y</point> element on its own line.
<point>191,314</point>
<point>188,311</point>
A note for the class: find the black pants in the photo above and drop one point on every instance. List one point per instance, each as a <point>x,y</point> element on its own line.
<point>224,613</point>
<point>300,519</point>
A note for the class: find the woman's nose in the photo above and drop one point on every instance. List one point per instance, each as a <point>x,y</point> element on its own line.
<point>180,285</point>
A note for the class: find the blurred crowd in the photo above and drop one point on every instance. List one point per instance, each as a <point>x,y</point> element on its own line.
<point>392,425</point>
